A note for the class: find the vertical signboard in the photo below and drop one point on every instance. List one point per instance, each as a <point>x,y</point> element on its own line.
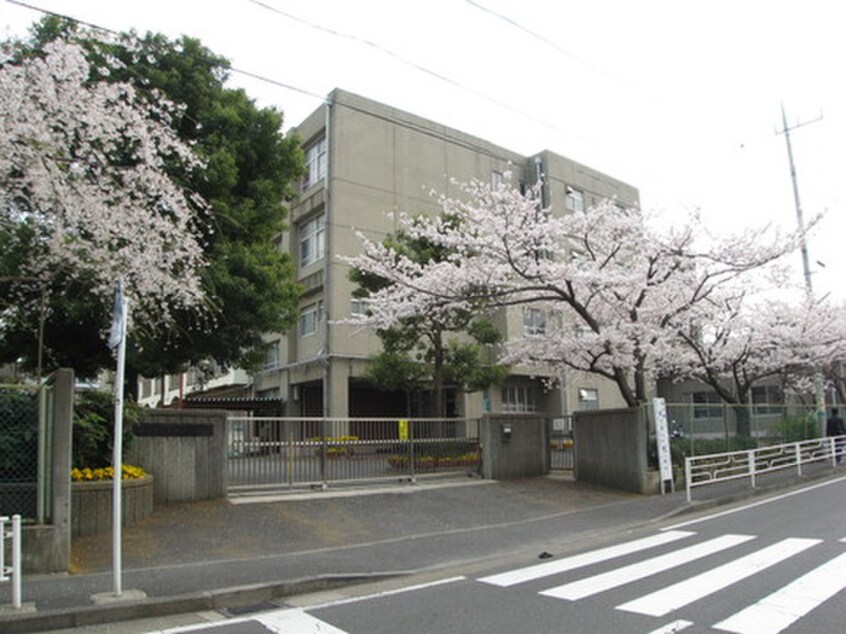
<point>662,438</point>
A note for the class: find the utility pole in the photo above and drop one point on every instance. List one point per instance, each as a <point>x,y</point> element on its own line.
<point>806,265</point>
<point>819,395</point>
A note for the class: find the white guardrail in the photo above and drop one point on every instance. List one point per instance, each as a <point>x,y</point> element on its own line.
<point>10,527</point>
<point>721,467</point>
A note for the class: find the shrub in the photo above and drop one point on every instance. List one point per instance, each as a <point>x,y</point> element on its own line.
<point>797,428</point>
<point>93,428</point>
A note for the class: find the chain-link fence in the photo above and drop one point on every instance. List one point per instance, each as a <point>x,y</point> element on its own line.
<point>19,450</point>
<point>706,428</point>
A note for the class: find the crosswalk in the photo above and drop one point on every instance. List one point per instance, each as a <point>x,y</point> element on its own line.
<point>737,558</point>
<point>770,615</point>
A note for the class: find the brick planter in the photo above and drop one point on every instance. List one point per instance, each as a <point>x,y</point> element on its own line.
<point>91,504</point>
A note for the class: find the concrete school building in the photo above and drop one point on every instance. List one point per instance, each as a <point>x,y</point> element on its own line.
<point>364,160</point>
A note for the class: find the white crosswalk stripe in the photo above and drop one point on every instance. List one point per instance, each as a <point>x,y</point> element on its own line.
<point>680,594</point>
<point>627,574</point>
<point>779,610</point>
<point>558,566</point>
<point>298,621</point>
<point>770,615</point>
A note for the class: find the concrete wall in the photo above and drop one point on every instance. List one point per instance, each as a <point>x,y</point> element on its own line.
<point>92,502</point>
<point>525,453</point>
<point>46,547</point>
<point>611,449</point>
<point>185,451</point>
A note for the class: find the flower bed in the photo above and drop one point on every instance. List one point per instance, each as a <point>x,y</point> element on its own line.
<point>92,495</point>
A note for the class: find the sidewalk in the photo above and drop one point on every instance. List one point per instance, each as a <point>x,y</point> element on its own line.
<point>246,551</point>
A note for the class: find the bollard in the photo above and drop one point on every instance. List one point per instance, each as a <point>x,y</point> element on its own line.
<point>16,561</point>
<point>11,572</point>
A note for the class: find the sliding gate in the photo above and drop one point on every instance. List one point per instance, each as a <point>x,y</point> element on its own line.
<point>272,452</point>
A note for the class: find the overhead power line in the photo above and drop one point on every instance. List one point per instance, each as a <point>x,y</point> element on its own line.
<point>545,40</point>
<point>407,62</point>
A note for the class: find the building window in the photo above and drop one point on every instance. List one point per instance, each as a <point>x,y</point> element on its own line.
<point>519,398</point>
<point>315,162</point>
<point>575,199</point>
<point>706,405</point>
<point>534,322</point>
<point>310,318</point>
<point>767,400</point>
<point>359,307</point>
<point>271,358</point>
<point>313,240</point>
<point>497,180</point>
<point>588,398</point>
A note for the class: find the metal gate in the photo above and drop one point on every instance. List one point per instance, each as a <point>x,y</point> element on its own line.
<point>272,452</point>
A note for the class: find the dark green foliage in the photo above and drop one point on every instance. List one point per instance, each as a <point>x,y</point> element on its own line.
<point>93,428</point>
<point>681,448</point>
<point>798,428</point>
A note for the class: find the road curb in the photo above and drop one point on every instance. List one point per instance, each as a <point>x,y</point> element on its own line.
<point>166,606</point>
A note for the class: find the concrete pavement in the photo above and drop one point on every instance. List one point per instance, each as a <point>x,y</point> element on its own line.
<point>250,550</point>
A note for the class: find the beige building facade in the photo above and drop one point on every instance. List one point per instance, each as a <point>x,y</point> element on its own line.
<point>365,160</point>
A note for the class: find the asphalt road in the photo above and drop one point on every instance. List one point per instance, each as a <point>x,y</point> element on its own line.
<point>773,565</point>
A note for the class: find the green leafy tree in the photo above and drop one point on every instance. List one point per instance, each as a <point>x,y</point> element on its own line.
<point>247,180</point>
<point>437,347</point>
<point>93,428</point>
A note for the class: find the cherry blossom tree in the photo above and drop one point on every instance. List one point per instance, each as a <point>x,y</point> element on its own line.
<point>615,284</point>
<point>440,346</point>
<point>735,343</point>
<point>83,188</point>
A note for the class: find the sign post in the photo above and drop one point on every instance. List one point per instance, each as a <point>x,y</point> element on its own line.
<point>662,438</point>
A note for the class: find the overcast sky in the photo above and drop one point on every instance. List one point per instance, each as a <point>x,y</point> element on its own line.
<point>680,99</point>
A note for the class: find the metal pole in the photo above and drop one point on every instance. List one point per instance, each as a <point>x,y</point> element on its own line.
<point>16,561</point>
<point>688,470</point>
<point>117,462</point>
<point>751,458</point>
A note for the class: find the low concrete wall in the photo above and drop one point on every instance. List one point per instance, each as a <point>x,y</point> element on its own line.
<point>185,451</point>
<point>524,453</point>
<point>91,504</point>
<point>611,449</point>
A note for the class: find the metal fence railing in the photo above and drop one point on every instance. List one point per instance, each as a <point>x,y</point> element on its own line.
<point>703,470</point>
<point>10,532</point>
<point>273,452</point>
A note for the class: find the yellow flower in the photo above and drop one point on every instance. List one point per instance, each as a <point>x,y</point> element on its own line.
<point>128,472</point>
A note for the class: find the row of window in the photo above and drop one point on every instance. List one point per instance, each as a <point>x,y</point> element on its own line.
<point>523,399</point>
<point>534,319</point>
<point>574,198</point>
<point>766,400</point>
